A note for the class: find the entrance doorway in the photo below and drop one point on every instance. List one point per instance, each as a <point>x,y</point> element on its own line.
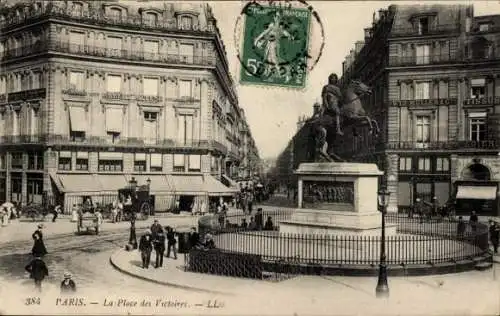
<point>186,203</point>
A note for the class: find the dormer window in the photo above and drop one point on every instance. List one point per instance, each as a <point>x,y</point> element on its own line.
<point>423,25</point>
<point>484,27</point>
<point>150,18</point>
<point>115,14</point>
<point>77,8</point>
<point>186,22</point>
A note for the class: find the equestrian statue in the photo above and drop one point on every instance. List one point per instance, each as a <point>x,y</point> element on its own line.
<point>339,107</point>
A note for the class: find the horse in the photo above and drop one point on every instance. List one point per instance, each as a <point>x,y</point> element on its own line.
<point>352,109</point>
<point>352,113</point>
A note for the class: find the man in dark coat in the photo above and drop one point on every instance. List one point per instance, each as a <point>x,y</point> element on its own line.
<point>494,235</point>
<point>194,238</point>
<point>68,286</point>
<point>171,242</point>
<point>38,249</point>
<point>146,247</point>
<point>159,244</point>
<point>473,220</point>
<point>155,229</point>
<point>259,219</point>
<point>461,227</point>
<point>38,271</point>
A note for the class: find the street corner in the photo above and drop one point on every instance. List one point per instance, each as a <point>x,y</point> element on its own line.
<point>171,275</point>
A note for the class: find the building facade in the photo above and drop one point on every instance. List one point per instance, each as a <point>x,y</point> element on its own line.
<point>435,77</point>
<point>93,93</point>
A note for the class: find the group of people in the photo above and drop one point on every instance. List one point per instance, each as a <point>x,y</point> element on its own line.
<point>37,268</point>
<point>256,222</point>
<point>154,239</point>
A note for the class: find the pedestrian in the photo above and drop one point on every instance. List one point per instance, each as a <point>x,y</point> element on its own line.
<point>155,229</point>
<point>473,220</point>
<point>159,245</point>
<point>38,271</point>
<point>252,225</point>
<point>269,225</point>
<point>250,202</point>
<point>494,235</point>
<point>194,238</point>
<point>56,212</point>
<point>38,249</point>
<point>132,238</point>
<point>244,223</point>
<point>68,286</point>
<point>460,227</point>
<point>259,219</point>
<point>146,247</point>
<point>171,242</point>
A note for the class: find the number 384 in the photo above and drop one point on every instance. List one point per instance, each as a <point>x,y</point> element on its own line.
<point>32,301</point>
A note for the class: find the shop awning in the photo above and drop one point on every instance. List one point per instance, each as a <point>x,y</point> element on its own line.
<point>159,183</point>
<point>112,182</point>
<point>216,188</point>
<point>187,184</point>
<point>477,192</point>
<point>76,183</point>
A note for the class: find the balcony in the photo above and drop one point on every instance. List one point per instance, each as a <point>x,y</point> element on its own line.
<point>97,17</point>
<point>403,31</point>
<point>74,92</point>
<point>27,95</point>
<point>445,145</point>
<point>423,60</point>
<point>422,102</point>
<point>99,51</point>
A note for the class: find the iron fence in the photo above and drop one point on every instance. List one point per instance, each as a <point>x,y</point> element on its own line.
<point>417,242</point>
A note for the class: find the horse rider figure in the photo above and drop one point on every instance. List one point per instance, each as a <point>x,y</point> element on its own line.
<point>331,96</point>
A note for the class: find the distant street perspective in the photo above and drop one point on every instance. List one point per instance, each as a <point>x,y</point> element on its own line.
<point>143,167</point>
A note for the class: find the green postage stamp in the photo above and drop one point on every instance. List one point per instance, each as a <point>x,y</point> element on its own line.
<point>275,46</point>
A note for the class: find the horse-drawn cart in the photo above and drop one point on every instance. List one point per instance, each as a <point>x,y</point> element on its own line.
<point>137,201</point>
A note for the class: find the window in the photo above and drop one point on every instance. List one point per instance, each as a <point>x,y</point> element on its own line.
<point>194,162</point>
<point>82,164</point>
<point>16,185</point>
<point>186,23</point>
<point>16,114</point>
<point>113,137</point>
<point>423,26</point>
<point>422,90</point>
<point>77,136</point>
<point>423,54</point>
<point>77,42</point>
<point>110,161</point>
<point>114,83</point>
<point>150,86</point>
<point>150,19</point>
<point>484,27</point>
<point>186,52</point>
<point>151,49</point>
<point>35,161</point>
<point>76,81</point>
<point>477,126</point>
<point>155,162</point>
<point>185,129</point>
<point>442,164</point>
<point>37,80</point>
<point>424,164</point>
<point>405,164</point>
<point>423,129</point>
<point>478,88</point>
<point>150,133</point>
<point>185,89</point>
<point>77,9</point>
<point>64,160</point>
<point>116,14</point>
<point>179,163</point>
<point>140,162</point>
<point>16,160</point>
<point>114,46</point>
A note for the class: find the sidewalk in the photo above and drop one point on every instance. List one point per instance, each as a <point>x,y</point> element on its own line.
<point>470,293</point>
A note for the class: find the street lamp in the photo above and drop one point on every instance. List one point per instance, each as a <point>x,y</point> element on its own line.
<point>382,289</point>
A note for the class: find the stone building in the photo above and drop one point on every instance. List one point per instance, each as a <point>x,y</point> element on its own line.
<point>93,93</point>
<point>434,71</point>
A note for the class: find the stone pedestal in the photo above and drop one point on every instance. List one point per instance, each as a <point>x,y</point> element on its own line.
<point>337,199</point>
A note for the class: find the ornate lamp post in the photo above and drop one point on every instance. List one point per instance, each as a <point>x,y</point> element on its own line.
<point>382,289</point>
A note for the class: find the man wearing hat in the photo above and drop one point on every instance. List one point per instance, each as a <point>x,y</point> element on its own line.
<point>38,271</point>
<point>68,285</point>
<point>146,247</point>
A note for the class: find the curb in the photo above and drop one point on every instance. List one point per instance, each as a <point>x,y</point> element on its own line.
<point>148,279</point>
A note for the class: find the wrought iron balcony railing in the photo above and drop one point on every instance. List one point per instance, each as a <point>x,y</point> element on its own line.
<point>444,145</point>
<point>400,31</point>
<point>422,60</point>
<point>99,51</point>
<point>98,17</point>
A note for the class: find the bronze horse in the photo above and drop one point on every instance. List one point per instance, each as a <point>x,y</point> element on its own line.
<point>352,113</point>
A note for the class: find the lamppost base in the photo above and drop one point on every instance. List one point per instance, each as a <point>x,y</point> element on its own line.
<point>382,289</point>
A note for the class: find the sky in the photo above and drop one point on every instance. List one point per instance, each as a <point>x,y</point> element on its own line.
<point>272,113</point>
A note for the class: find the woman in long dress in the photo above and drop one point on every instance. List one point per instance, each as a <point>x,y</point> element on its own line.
<point>38,249</point>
